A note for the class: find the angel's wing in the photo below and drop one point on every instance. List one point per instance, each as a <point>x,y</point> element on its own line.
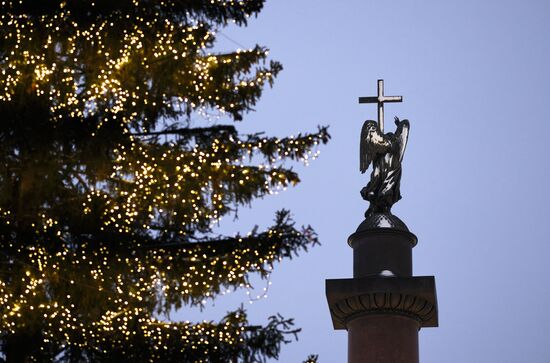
<point>364,158</point>
<point>402,136</point>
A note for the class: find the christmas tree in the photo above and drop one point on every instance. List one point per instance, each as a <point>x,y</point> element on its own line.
<point>113,178</point>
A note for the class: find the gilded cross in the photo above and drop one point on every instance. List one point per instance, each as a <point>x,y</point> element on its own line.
<point>380,99</point>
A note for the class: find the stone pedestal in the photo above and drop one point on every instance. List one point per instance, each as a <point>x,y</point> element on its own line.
<point>383,306</point>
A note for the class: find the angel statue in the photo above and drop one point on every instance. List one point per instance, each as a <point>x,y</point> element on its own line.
<point>385,152</point>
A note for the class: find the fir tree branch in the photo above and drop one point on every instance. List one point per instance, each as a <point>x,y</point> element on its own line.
<point>190,131</point>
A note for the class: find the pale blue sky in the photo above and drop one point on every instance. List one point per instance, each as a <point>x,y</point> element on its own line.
<point>475,79</point>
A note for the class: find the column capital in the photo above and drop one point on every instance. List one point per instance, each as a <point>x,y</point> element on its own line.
<point>412,297</point>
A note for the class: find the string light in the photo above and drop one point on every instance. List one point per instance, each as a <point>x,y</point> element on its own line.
<point>114,225</point>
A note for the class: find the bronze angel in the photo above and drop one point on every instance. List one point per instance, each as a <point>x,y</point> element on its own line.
<point>385,152</point>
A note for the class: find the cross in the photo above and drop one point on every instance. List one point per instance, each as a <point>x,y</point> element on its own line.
<point>380,99</point>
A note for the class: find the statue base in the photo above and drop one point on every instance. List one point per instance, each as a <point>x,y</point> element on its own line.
<point>382,220</point>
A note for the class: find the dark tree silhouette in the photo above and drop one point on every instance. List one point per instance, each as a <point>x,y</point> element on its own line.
<point>112,177</point>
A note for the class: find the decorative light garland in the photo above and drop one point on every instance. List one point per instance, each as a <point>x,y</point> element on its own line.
<point>117,226</point>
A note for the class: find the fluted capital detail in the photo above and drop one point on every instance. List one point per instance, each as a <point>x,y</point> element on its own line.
<point>413,297</point>
<point>414,307</point>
